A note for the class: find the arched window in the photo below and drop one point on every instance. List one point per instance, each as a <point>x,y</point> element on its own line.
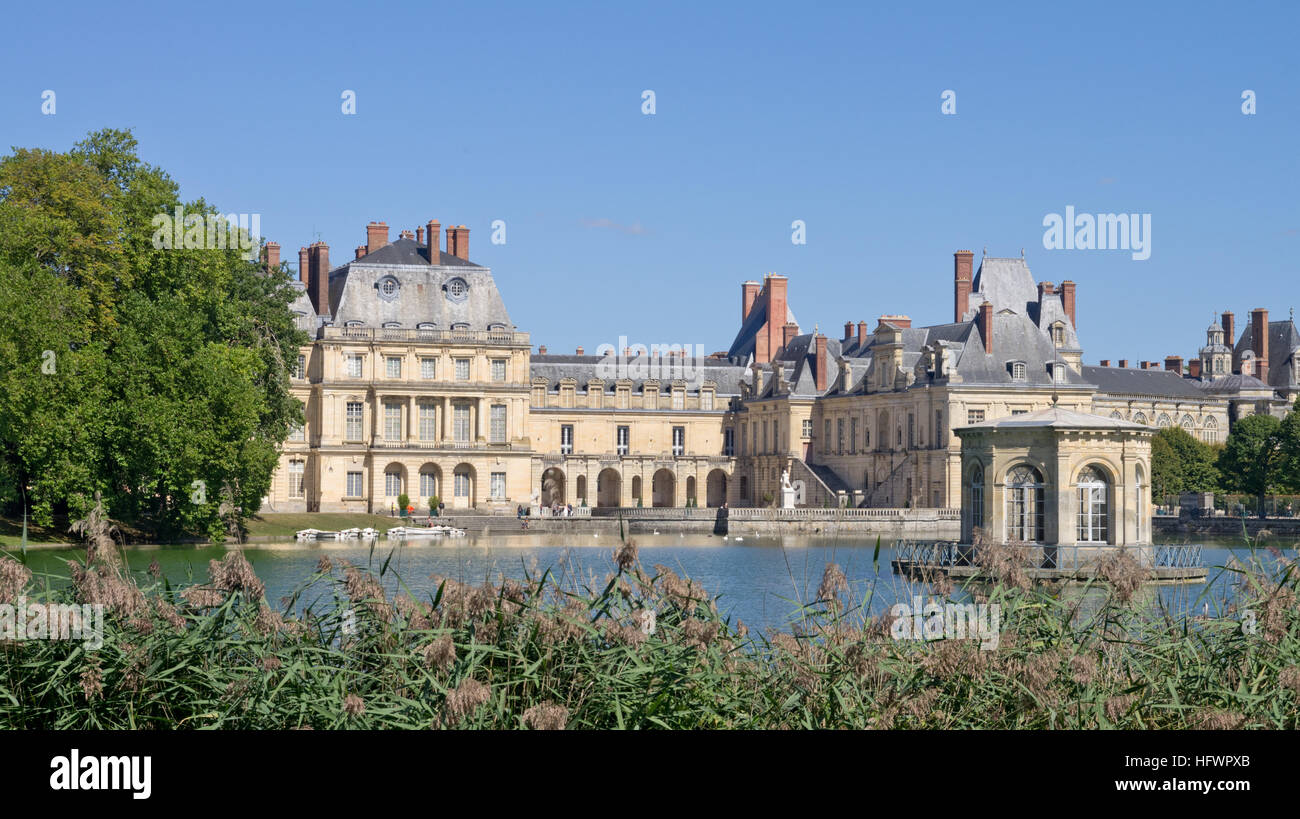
<point>1188,423</point>
<point>977,497</point>
<point>1163,421</point>
<point>1093,507</point>
<point>1025,504</point>
<point>1139,418</point>
<point>1117,415</point>
<point>1211,433</point>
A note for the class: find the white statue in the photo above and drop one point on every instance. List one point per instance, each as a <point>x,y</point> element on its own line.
<point>785,479</point>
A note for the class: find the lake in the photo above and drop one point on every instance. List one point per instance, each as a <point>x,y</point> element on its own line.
<point>761,580</point>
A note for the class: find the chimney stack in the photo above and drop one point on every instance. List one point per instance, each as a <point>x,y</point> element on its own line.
<point>406,234</point>
<point>360,251</point>
<point>1229,323</point>
<point>580,351</point>
<point>303,267</point>
<point>1067,301</point>
<point>458,241</point>
<point>1105,362</point>
<point>1194,368</point>
<point>419,236</point>
<point>434,237</point>
<point>272,256</point>
<point>1174,363</point>
<point>376,236</point>
<point>1259,341</point>
<point>862,334</point>
<point>1123,363</point>
<point>986,326</point>
<point>748,293</point>
<point>1045,289</point>
<point>541,350</point>
<point>821,363</point>
<point>961,262</point>
<point>776,286</point>
<point>848,331</point>
<point>897,321</point>
<point>788,333</point>
<point>318,276</point>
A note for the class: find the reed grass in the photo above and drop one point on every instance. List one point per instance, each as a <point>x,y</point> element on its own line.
<point>642,648</point>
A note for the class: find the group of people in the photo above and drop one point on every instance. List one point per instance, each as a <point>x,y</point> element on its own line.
<point>558,510</point>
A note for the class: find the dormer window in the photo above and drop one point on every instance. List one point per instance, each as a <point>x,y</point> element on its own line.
<point>391,325</point>
<point>457,289</point>
<point>497,327</point>
<point>425,325</point>
<point>460,326</point>
<point>1018,370</point>
<point>1058,334</point>
<point>388,287</point>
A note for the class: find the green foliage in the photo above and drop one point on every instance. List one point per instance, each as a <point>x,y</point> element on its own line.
<point>129,370</point>
<point>1181,463</point>
<point>1252,460</point>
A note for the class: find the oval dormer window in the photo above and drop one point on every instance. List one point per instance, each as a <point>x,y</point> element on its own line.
<point>497,328</point>
<point>425,325</point>
<point>460,326</point>
<point>457,289</point>
<point>392,325</point>
<point>353,324</point>
<point>388,288</point>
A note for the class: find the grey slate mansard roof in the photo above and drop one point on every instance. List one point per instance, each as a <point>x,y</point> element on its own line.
<point>422,297</point>
<point>1231,384</point>
<point>304,315</point>
<point>725,374</point>
<point>1283,341</point>
<point>743,346</point>
<point>1154,383</point>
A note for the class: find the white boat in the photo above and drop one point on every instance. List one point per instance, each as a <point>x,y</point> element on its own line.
<point>406,532</point>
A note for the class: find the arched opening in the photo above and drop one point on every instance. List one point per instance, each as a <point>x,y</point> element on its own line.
<point>691,499</point>
<point>664,488</point>
<point>394,481</point>
<point>609,488</point>
<point>637,498</point>
<point>716,488</point>
<point>1025,496</point>
<point>882,434</point>
<point>1094,506</point>
<point>1141,504</point>
<point>553,487</point>
<point>430,481</point>
<point>581,484</point>
<point>464,479</point>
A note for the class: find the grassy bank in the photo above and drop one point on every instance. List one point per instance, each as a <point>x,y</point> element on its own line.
<point>11,532</point>
<point>645,648</point>
<point>286,524</point>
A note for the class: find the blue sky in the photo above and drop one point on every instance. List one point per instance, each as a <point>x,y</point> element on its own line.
<point>622,224</point>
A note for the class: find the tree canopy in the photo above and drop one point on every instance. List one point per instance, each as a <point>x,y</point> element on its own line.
<point>158,378</point>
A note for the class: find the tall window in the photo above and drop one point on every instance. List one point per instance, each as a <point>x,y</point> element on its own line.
<point>392,422</point>
<point>393,366</point>
<point>975,416</point>
<point>497,423</point>
<point>460,423</point>
<point>428,422</point>
<point>300,369</point>
<point>977,497</point>
<point>940,434</point>
<point>356,484</point>
<point>806,429</point>
<point>622,440</point>
<point>354,366</point>
<point>679,440</point>
<point>853,435</point>
<point>706,399</point>
<point>462,369</point>
<point>826,436</point>
<point>498,485</point>
<point>1093,508</point>
<point>295,479</point>
<point>1025,504</point>
<point>566,439</point>
<point>298,433</point>
<point>499,370</point>
<point>392,484</point>
<point>839,436</point>
<point>428,485</point>
<point>729,441</point>
<point>462,484</point>
<point>911,431</point>
<point>428,368</point>
<point>679,399</point>
<point>355,411</point>
<point>764,428</point>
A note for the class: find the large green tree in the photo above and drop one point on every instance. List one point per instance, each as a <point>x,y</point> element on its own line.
<point>1252,461</point>
<point>1180,463</point>
<point>155,377</point>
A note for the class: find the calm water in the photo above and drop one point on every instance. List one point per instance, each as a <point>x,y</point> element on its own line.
<point>761,580</point>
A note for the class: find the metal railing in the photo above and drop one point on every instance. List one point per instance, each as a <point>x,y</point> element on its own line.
<point>409,334</point>
<point>1061,556</point>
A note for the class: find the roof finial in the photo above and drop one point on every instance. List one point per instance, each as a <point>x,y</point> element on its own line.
<point>986,250</point>
<point>1022,254</point>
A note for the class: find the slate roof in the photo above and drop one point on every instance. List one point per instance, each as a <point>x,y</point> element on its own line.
<point>1131,381</point>
<point>1057,418</point>
<point>1283,341</point>
<point>725,374</point>
<point>742,347</point>
<point>1230,384</point>
<point>1006,283</point>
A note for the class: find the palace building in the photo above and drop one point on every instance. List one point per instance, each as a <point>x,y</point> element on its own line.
<point>417,382</point>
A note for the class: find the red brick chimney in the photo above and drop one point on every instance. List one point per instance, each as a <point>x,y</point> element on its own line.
<point>1194,368</point>
<point>748,293</point>
<point>1147,365</point>
<point>961,262</point>
<point>1105,362</point>
<point>376,236</point>
<point>986,326</point>
<point>419,236</point>
<point>406,234</point>
<point>303,266</point>
<point>1229,323</point>
<point>272,255</point>
<point>1045,289</point>
<point>848,331</point>
<point>434,237</point>
<point>862,334</point>
<point>580,351</point>
<point>460,236</point>
<point>762,352</point>
<point>360,251</point>
<point>897,321</point>
<point>541,350</point>
<point>821,363</point>
<point>777,289</point>
<point>1067,301</point>
<point>1174,363</point>
<point>318,276</point>
<point>788,333</point>
<point>1259,341</point>
<point>1123,362</point>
